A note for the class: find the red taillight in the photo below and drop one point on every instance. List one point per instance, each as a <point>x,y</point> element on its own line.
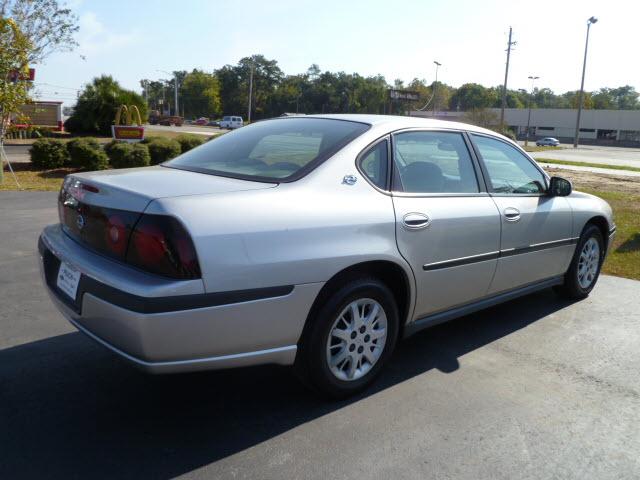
<point>160,244</point>
<point>116,235</point>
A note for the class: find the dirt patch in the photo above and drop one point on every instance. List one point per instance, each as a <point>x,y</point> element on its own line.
<point>598,181</point>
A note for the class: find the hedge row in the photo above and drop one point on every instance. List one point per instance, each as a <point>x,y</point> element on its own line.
<point>86,152</point>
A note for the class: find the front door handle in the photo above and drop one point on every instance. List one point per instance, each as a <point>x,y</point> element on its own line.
<point>511,214</point>
<point>416,221</point>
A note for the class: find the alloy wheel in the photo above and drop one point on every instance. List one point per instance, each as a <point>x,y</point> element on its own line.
<point>357,339</point>
<point>588,263</point>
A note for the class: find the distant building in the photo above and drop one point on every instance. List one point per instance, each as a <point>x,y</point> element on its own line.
<point>603,127</point>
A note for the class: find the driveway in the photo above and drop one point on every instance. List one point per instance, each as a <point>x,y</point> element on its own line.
<point>536,388</point>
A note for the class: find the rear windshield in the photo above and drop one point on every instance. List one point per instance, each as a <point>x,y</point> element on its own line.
<point>273,150</point>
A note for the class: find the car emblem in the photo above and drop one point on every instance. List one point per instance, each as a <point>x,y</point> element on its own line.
<point>80,222</point>
<point>349,179</point>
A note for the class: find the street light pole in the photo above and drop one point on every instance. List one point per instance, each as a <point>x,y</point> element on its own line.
<point>435,85</point>
<point>533,79</point>
<point>591,21</point>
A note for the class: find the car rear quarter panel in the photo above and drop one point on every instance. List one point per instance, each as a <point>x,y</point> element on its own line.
<point>296,233</point>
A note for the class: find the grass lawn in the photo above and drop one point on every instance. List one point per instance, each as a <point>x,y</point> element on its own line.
<point>587,164</point>
<point>624,257</point>
<point>33,179</point>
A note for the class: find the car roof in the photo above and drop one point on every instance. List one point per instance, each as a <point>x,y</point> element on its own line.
<point>394,122</point>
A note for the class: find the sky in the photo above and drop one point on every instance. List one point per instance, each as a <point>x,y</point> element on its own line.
<point>134,39</point>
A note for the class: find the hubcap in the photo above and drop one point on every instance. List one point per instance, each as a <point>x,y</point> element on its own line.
<point>357,339</point>
<point>588,263</point>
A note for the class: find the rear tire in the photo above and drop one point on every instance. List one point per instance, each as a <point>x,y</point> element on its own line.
<point>349,339</point>
<point>585,266</point>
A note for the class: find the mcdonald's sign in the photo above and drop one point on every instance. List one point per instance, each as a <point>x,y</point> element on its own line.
<point>128,124</point>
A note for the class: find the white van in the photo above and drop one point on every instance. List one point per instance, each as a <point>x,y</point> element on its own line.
<point>231,122</point>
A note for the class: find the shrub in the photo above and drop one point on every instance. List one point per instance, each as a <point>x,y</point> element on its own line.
<point>109,145</point>
<point>187,142</point>
<point>126,155</point>
<point>95,160</point>
<point>162,149</point>
<point>47,153</point>
<point>80,150</point>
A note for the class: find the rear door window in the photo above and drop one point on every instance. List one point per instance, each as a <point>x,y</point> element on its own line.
<point>434,162</point>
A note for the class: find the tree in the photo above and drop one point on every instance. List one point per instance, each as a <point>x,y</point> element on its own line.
<point>571,100</point>
<point>47,26</point>
<point>14,89</point>
<point>626,98</point>
<point>200,93</point>
<point>482,117</point>
<point>472,96</point>
<point>98,103</point>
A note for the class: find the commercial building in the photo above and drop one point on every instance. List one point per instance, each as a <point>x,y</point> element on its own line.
<point>603,127</point>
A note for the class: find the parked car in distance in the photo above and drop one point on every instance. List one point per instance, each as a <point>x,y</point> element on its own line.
<point>314,241</point>
<point>201,121</point>
<point>548,142</point>
<point>214,123</point>
<point>231,122</point>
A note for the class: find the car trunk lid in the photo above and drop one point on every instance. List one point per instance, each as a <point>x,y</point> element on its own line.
<point>101,209</point>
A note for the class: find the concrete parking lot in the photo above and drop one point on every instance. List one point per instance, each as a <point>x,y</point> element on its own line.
<point>536,388</point>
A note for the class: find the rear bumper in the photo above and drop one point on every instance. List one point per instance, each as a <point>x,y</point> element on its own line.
<point>180,332</point>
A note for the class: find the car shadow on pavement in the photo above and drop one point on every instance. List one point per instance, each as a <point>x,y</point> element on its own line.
<point>70,409</point>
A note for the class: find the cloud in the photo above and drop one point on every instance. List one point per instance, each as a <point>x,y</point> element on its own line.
<point>94,38</point>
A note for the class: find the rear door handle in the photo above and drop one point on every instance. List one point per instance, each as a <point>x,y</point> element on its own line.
<point>416,221</point>
<point>511,214</point>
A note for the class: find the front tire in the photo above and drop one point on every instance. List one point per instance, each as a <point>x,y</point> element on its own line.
<point>350,339</point>
<point>585,266</point>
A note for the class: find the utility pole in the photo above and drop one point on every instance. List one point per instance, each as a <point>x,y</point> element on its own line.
<point>250,93</point>
<point>591,21</point>
<point>175,89</point>
<point>435,85</point>
<point>533,79</point>
<point>506,77</point>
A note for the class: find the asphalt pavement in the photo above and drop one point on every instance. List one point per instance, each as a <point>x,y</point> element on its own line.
<point>629,157</point>
<point>536,388</point>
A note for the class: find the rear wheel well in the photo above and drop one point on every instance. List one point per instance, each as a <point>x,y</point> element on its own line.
<point>389,273</point>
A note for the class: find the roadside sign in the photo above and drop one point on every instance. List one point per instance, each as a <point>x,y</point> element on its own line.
<point>128,133</point>
<point>131,130</point>
<point>403,95</point>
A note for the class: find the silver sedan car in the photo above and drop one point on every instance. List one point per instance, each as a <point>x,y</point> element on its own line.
<point>314,241</point>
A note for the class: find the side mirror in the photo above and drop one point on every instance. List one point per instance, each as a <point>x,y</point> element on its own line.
<point>560,187</point>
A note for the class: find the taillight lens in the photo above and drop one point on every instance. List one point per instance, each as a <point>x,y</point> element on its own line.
<point>159,244</point>
<point>116,235</point>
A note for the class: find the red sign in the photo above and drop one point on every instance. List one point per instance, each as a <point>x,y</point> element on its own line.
<point>127,133</point>
<point>14,76</point>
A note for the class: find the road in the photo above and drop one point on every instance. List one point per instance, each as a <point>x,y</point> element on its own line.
<point>629,157</point>
<point>536,388</point>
